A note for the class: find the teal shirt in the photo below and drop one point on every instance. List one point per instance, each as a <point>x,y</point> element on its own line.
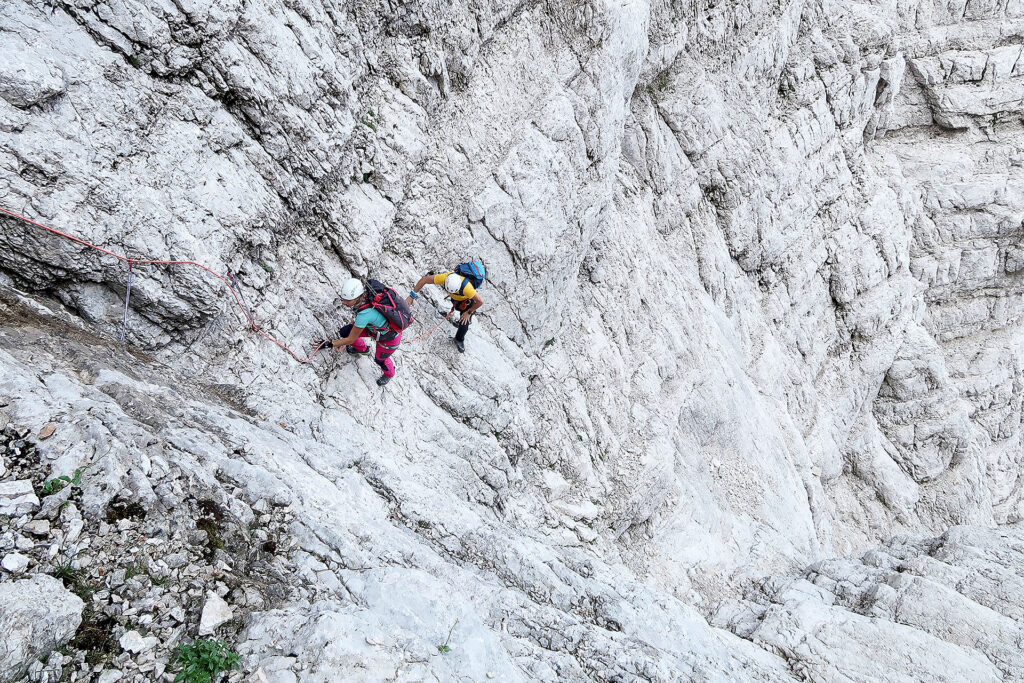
<point>373,320</point>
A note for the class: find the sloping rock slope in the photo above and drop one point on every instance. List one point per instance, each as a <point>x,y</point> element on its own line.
<point>754,300</point>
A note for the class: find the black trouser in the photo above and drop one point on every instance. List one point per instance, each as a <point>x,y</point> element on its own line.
<point>462,306</point>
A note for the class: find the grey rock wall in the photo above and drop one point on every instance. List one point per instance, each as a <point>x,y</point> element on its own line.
<point>754,301</point>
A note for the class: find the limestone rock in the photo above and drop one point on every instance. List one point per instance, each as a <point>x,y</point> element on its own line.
<point>215,612</point>
<point>38,527</point>
<point>16,563</point>
<point>753,309</point>
<point>17,498</point>
<point>36,615</point>
<point>942,595</point>
<point>132,641</point>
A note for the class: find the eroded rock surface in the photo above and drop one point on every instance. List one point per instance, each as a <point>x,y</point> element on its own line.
<point>955,597</point>
<point>37,614</point>
<point>754,300</point>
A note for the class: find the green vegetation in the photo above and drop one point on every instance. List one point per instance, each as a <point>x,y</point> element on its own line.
<point>444,647</point>
<point>59,483</point>
<point>139,565</point>
<point>372,120</point>
<point>74,580</point>
<point>203,660</point>
<point>67,574</point>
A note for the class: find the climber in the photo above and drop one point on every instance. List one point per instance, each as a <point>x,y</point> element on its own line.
<point>380,314</point>
<point>461,285</point>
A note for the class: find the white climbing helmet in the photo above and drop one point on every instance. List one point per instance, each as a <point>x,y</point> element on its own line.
<point>453,283</point>
<point>352,289</point>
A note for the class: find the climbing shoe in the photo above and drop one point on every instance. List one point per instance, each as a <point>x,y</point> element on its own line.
<point>384,379</point>
<point>460,345</point>
<point>354,352</point>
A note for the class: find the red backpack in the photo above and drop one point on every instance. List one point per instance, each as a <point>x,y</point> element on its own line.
<point>386,300</point>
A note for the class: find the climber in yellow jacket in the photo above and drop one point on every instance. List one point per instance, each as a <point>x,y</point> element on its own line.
<point>461,290</point>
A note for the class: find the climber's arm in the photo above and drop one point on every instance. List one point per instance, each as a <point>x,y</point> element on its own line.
<point>346,341</point>
<point>425,280</point>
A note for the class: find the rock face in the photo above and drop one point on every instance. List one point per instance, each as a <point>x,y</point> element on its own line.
<point>953,597</point>
<point>755,300</point>
<point>17,498</point>
<point>36,615</point>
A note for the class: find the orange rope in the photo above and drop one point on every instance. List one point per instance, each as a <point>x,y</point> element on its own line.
<point>130,261</point>
<point>445,319</point>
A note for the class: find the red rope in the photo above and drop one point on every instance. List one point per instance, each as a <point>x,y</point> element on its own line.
<point>220,277</point>
<point>445,319</point>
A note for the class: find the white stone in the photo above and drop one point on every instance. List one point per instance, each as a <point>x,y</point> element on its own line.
<point>75,527</point>
<point>38,527</point>
<point>110,676</point>
<point>16,563</point>
<point>17,498</point>
<point>133,641</point>
<point>215,612</point>
<point>555,483</point>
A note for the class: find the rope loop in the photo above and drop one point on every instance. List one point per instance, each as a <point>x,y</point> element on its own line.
<point>229,281</point>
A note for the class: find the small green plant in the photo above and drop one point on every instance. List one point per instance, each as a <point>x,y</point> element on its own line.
<point>74,580</point>
<point>139,565</point>
<point>203,660</point>
<point>444,647</point>
<point>66,573</point>
<point>59,483</point>
<point>372,120</point>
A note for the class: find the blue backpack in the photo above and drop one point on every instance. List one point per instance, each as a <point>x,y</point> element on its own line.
<point>473,271</point>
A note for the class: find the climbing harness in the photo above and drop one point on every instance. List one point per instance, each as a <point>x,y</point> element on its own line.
<point>229,281</point>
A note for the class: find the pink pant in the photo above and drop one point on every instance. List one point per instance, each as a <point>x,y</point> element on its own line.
<point>385,347</point>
